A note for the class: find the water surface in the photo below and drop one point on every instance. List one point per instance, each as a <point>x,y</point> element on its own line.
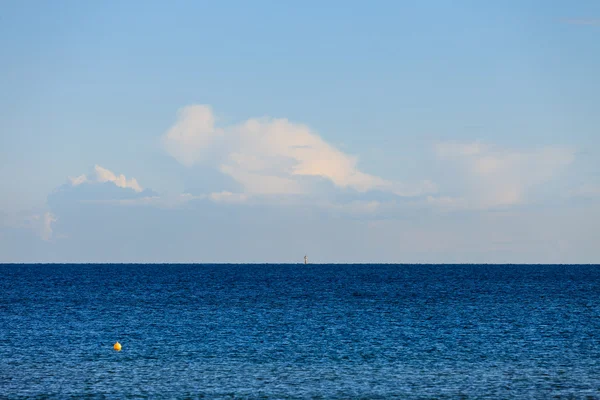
<point>294,331</point>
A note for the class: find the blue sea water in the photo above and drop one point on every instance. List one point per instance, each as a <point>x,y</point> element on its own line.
<point>295,331</point>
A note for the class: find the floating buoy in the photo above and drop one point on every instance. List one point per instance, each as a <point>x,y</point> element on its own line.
<point>117,346</point>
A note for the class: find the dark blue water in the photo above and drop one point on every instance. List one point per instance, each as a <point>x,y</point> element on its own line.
<point>287,331</point>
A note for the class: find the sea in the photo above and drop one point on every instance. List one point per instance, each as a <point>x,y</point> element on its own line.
<point>300,331</point>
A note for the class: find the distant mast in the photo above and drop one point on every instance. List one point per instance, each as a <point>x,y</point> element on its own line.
<point>305,260</point>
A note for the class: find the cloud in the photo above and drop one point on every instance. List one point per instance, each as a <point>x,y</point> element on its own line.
<point>271,156</point>
<point>164,201</point>
<point>102,175</point>
<point>47,222</point>
<point>37,221</point>
<point>193,133</point>
<point>101,186</point>
<point>583,21</point>
<point>78,180</point>
<point>276,146</point>
<point>228,197</point>
<point>499,177</point>
<point>106,188</point>
<point>41,224</point>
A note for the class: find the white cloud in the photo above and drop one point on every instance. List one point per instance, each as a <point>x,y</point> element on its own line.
<point>78,180</point>
<point>500,177</point>
<point>271,156</point>
<point>276,145</point>
<point>48,220</point>
<point>192,134</point>
<point>42,224</point>
<point>103,175</point>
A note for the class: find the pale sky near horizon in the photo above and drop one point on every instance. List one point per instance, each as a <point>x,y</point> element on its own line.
<point>385,131</point>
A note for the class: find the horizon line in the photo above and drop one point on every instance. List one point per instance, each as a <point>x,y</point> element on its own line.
<point>295,263</point>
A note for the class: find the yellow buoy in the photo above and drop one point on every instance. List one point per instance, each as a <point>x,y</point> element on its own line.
<point>117,346</point>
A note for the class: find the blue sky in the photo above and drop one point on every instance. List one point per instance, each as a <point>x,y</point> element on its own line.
<point>429,131</point>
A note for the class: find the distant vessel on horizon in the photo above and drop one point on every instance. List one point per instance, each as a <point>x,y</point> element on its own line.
<point>305,260</point>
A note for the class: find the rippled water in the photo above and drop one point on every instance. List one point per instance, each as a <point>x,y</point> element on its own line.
<point>287,331</point>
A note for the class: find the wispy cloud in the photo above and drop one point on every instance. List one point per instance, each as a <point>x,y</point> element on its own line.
<point>270,156</point>
<point>582,21</point>
<point>39,222</point>
<point>42,224</point>
<point>47,221</point>
<point>182,199</point>
<point>495,176</point>
<point>228,197</point>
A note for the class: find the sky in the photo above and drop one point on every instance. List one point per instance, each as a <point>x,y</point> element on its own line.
<point>354,132</point>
